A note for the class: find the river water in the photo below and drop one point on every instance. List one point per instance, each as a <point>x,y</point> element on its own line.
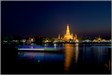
<point>75,59</point>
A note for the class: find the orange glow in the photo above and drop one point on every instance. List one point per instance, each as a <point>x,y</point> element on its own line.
<point>71,54</point>
<point>67,35</point>
<point>68,56</point>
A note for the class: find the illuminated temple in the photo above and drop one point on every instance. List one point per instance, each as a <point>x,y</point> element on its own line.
<point>68,36</point>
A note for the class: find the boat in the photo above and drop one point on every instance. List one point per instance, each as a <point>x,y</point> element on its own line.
<point>38,48</point>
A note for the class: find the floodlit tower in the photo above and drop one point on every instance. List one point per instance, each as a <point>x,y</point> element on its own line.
<point>68,36</point>
<point>68,30</point>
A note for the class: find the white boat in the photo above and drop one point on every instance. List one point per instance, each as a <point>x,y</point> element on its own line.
<point>38,48</point>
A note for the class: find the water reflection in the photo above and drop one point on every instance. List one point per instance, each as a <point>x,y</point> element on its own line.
<point>40,56</point>
<point>33,56</point>
<point>76,58</point>
<point>71,55</point>
<point>76,52</point>
<point>68,56</point>
<point>100,53</point>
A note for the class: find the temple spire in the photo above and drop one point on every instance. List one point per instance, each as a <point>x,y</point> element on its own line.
<point>68,29</point>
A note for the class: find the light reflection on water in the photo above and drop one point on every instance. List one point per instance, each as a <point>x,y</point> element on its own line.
<point>76,52</point>
<point>73,54</point>
<point>68,56</point>
<point>42,57</point>
<point>100,53</point>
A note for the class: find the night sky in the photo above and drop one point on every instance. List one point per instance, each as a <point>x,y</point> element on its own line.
<point>50,18</point>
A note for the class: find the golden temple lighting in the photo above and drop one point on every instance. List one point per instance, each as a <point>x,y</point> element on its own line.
<point>68,36</point>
